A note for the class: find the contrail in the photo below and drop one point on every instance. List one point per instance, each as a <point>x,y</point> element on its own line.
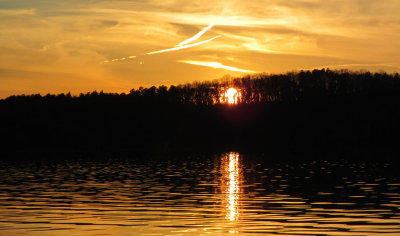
<point>197,36</point>
<point>183,46</point>
<point>118,59</point>
<point>216,65</point>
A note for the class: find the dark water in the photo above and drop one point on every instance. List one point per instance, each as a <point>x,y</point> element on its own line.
<point>222,194</point>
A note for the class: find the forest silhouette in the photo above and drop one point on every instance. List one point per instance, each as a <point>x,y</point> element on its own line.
<point>306,113</point>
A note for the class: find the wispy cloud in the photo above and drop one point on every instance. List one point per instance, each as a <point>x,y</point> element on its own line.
<point>216,65</point>
<point>16,12</point>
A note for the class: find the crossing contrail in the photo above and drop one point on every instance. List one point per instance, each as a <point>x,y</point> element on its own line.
<point>197,36</point>
<point>183,46</point>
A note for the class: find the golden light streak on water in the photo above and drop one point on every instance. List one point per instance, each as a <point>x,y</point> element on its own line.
<point>230,184</point>
<point>233,193</point>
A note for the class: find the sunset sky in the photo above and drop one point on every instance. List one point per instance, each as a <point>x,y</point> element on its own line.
<point>54,46</point>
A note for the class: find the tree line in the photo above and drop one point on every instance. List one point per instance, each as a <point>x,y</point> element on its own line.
<point>299,112</point>
<point>260,88</point>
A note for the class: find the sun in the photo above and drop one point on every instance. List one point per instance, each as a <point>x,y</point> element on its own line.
<point>232,95</point>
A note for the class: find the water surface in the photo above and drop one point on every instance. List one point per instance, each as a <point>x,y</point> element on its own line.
<point>213,194</point>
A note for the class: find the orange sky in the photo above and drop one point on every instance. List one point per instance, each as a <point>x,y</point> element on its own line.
<point>54,46</point>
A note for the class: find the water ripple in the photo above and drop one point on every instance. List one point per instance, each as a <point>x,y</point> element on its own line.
<point>226,194</point>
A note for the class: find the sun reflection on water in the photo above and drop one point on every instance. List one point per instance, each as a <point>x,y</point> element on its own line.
<point>230,184</point>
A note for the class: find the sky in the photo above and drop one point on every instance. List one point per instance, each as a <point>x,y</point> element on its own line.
<point>60,46</point>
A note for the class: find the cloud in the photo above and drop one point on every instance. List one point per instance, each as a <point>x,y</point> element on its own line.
<point>216,65</point>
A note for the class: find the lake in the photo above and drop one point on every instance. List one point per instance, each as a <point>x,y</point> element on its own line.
<point>221,194</point>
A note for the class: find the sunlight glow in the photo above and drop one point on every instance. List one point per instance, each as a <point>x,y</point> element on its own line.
<point>232,95</point>
<point>216,65</point>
